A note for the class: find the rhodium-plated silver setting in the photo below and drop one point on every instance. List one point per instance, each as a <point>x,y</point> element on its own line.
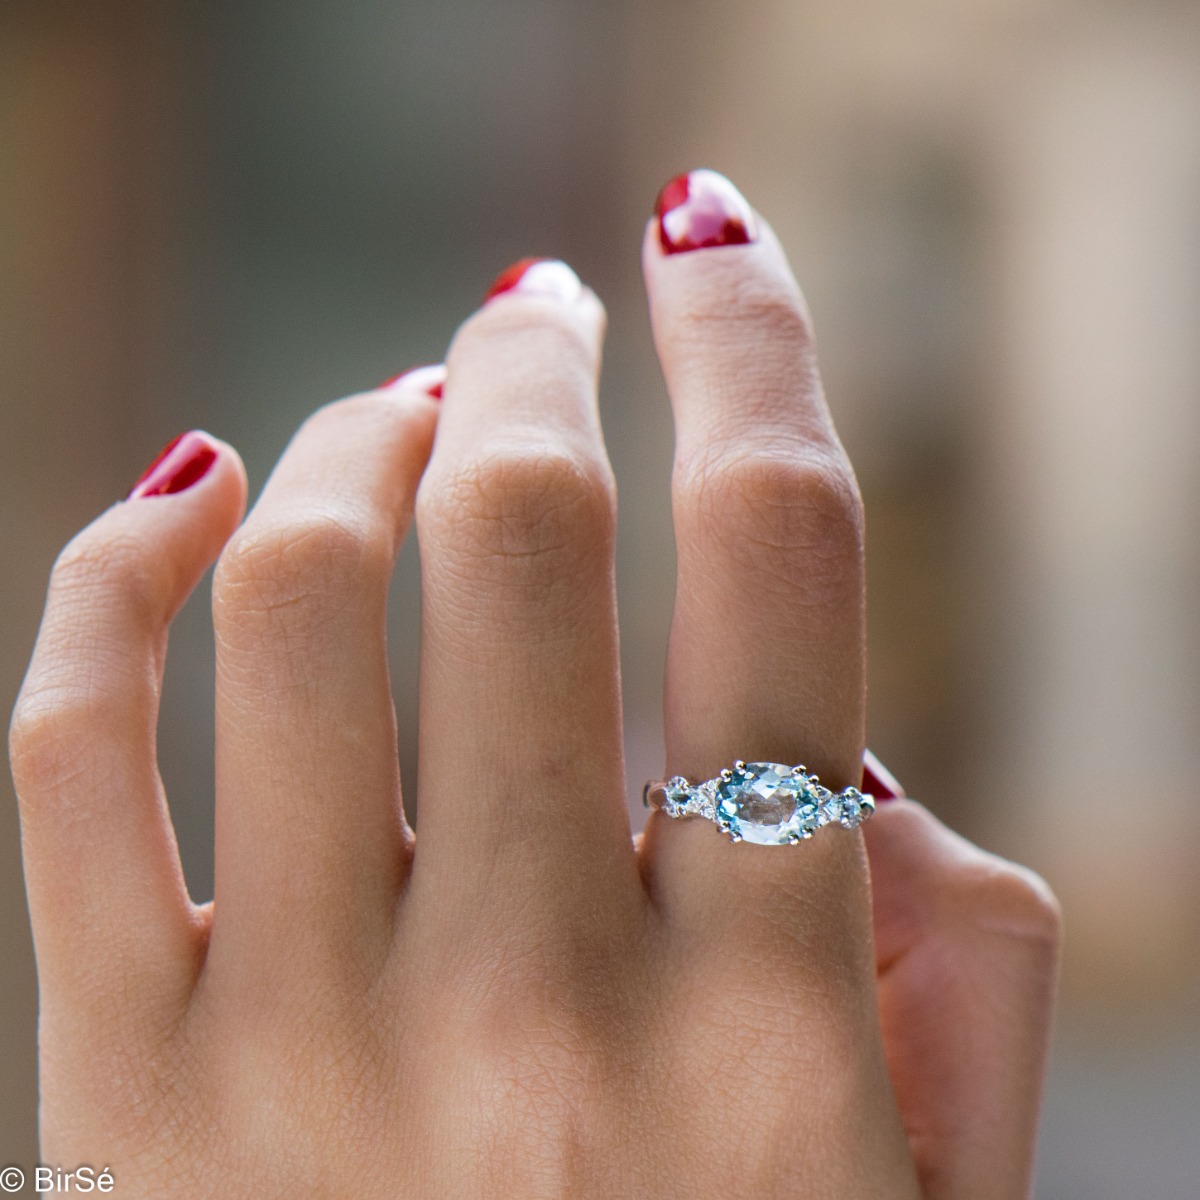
<point>768,804</point>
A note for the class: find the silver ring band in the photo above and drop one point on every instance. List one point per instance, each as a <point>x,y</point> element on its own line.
<point>768,804</point>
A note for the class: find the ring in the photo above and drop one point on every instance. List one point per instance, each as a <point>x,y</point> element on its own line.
<point>768,804</point>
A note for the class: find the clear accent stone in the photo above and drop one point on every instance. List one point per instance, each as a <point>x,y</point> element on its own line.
<point>706,800</point>
<point>678,797</point>
<point>766,804</point>
<point>828,809</point>
<point>852,808</point>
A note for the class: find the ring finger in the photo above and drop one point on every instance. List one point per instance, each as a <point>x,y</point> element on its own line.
<point>310,837</point>
<point>766,659</point>
<point>766,654</point>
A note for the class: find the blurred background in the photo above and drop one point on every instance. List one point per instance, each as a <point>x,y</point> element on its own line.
<point>222,215</point>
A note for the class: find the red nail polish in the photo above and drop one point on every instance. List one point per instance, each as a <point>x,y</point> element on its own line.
<point>180,463</point>
<point>431,380</point>
<point>878,781</point>
<point>702,209</point>
<point>550,277</point>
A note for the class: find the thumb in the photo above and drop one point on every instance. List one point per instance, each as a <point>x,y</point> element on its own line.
<point>967,951</point>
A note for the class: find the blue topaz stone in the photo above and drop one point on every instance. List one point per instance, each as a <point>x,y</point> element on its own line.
<point>765,803</point>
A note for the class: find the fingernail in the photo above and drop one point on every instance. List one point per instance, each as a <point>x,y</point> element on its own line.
<point>702,209</point>
<point>550,277</point>
<point>878,781</point>
<point>431,380</point>
<point>180,463</point>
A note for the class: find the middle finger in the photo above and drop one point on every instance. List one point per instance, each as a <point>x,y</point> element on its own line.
<point>522,826</point>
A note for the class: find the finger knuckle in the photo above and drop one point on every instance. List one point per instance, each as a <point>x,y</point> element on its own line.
<point>1006,898</point>
<point>44,738</point>
<point>530,512</point>
<point>99,570</point>
<point>83,677</point>
<point>538,1053</point>
<point>60,740</point>
<point>300,569</point>
<point>799,504</point>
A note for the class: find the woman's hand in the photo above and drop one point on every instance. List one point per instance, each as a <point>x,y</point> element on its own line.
<point>524,1002</point>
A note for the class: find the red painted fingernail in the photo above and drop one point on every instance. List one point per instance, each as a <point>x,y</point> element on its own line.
<point>180,463</point>
<point>878,781</point>
<point>702,209</point>
<point>549,277</point>
<point>431,380</point>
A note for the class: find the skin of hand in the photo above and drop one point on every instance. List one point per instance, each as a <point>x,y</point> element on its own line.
<point>526,1003</point>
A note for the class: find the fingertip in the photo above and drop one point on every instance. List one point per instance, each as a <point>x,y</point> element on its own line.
<point>231,479</point>
<point>763,252</point>
<point>595,319</point>
<point>878,781</point>
<point>182,509</point>
<point>544,280</point>
<point>594,306</point>
<point>744,296</point>
<point>192,462</point>
<point>703,210</point>
<point>533,303</point>
<point>428,381</point>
